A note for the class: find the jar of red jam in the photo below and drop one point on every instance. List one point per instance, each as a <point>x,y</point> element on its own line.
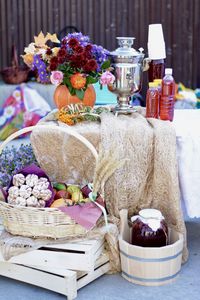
<point>149,229</point>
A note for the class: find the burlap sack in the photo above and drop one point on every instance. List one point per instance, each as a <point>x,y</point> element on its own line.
<point>147,179</point>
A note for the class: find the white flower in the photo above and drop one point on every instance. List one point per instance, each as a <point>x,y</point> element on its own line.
<point>25,191</point>
<point>45,195</point>
<point>18,179</point>
<point>9,111</point>
<point>17,95</point>
<point>30,49</point>
<point>42,52</point>
<point>2,120</point>
<point>20,201</point>
<point>13,192</point>
<point>32,201</point>
<point>31,180</point>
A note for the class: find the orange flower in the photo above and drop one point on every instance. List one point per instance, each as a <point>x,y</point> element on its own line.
<point>78,81</point>
<point>28,59</point>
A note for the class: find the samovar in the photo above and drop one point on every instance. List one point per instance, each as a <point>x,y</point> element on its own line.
<point>127,67</point>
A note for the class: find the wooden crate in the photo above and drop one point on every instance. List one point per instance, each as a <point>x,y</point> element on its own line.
<point>79,256</point>
<point>59,280</point>
<point>149,266</point>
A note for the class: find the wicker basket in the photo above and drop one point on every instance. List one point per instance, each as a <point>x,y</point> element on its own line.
<point>15,74</point>
<point>41,222</point>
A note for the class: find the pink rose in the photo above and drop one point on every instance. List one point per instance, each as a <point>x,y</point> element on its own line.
<point>107,78</point>
<point>56,77</point>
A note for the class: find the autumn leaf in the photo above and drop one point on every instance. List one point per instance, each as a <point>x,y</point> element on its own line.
<point>40,40</point>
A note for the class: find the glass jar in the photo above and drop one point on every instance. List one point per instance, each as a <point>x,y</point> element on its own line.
<point>149,229</point>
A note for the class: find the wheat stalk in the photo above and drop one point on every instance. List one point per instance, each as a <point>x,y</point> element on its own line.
<point>106,165</point>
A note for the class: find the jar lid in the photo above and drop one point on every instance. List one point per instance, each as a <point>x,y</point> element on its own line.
<point>150,213</point>
<point>125,49</point>
<point>153,85</point>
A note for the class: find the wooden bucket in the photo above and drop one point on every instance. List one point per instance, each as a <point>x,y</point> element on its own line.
<point>149,266</point>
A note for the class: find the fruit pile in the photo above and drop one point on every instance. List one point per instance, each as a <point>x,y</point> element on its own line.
<point>68,195</point>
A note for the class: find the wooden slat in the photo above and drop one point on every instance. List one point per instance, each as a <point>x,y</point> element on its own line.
<point>196,45</point>
<point>3,44</point>
<point>63,285</point>
<point>103,20</point>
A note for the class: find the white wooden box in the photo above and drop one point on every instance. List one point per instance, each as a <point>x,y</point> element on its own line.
<point>59,280</point>
<point>79,256</point>
<point>149,266</point>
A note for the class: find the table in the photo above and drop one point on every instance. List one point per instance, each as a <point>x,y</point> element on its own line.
<point>187,126</point>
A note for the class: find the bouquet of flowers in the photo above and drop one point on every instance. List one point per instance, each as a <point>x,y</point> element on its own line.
<point>76,62</point>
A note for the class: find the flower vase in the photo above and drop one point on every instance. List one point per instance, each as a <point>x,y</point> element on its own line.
<point>62,97</point>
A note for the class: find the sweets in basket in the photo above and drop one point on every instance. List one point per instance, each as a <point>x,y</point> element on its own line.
<point>30,187</point>
<point>35,209</point>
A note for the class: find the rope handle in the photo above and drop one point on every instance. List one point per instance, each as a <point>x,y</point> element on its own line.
<point>66,129</point>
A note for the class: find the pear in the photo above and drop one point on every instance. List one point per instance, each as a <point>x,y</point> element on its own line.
<point>77,196</point>
<point>59,186</point>
<point>58,203</point>
<point>73,188</point>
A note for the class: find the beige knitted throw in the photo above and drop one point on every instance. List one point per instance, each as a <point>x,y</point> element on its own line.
<point>148,177</point>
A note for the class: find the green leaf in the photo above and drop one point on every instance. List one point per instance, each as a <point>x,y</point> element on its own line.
<point>91,80</point>
<point>72,90</point>
<point>66,81</point>
<point>105,65</point>
<point>80,94</point>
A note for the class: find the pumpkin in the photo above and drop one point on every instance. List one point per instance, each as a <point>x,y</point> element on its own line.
<point>62,97</point>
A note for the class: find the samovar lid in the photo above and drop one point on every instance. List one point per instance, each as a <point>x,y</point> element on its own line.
<point>125,48</point>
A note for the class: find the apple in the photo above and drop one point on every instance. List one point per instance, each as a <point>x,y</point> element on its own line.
<point>62,194</point>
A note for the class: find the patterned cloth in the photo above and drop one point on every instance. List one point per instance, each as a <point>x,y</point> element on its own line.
<point>24,107</point>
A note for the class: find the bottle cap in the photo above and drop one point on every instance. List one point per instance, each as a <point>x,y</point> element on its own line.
<point>156,43</point>
<point>153,84</point>
<point>158,81</point>
<point>168,71</point>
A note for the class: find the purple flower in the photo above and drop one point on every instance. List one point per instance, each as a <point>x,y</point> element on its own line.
<point>83,39</point>
<point>100,54</point>
<point>40,66</point>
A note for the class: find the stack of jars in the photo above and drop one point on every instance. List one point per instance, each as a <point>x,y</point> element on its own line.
<point>160,97</point>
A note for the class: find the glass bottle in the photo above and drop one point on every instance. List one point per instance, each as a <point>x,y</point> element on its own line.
<point>152,101</point>
<point>166,109</point>
<point>149,229</point>
<point>156,69</point>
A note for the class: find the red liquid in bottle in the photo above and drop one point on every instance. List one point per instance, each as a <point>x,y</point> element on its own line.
<point>152,101</point>
<point>167,97</point>
<point>156,69</point>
